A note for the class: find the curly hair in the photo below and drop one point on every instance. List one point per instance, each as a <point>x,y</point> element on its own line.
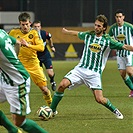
<point>103,19</point>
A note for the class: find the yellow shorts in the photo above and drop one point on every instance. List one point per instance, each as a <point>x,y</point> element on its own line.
<point>36,73</point>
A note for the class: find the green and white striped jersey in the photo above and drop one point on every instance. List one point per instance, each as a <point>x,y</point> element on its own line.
<point>123,34</point>
<point>96,50</point>
<point>11,69</point>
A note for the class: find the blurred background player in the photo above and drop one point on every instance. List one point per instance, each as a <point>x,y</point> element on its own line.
<point>45,57</point>
<point>28,54</point>
<point>123,32</point>
<point>15,86</point>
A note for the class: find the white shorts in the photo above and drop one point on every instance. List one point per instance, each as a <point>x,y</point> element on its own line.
<point>17,96</point>
<point>124,62</point>
<point>79,76</point>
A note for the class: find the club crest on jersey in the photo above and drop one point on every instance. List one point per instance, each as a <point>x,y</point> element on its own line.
<point>121,37</point>
<point>94,47</point>
<point>30,36</point>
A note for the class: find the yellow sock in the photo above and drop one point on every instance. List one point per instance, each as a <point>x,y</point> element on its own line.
<point>48,98</point>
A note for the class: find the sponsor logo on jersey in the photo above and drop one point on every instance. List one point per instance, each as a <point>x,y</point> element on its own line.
<point>94,47</point>
<point>121,37</point>
<point>30,36</point>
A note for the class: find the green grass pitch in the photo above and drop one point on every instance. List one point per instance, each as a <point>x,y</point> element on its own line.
<point>78,111</point>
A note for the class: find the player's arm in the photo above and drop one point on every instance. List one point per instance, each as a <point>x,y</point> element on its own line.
<point>49,39</point>
<point>16,44</point>
<point>127,47</point>
<point>70,32</point>
<point>50,42</point>
<point>38,47</point>
<point>118,45</point>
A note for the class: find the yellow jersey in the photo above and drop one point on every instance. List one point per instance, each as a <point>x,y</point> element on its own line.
<point>28,54</point>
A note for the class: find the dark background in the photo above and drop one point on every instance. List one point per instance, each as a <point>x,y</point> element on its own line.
<point>69,12</point>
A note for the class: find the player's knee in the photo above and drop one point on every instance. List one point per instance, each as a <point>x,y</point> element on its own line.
<point>100,100</point>
<point>63,85</point>
<point>18,123</point>
<point>51,74</point>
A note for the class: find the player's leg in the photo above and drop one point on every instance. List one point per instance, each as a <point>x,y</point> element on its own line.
<point>51,75</point>
<point>104,101</point>
<point>93,81</point>
<point>123,70</point>
<point>38,77</point>
<point>4,121</point>
<point>70,80</point>
<point>46,92</point>
<point>129,82</point>
<point>126,78</point>
<point>20,107</point>
<point>129,70</point>
<point>27,125</point>
<point>47,61</point>
<point>58,95</point>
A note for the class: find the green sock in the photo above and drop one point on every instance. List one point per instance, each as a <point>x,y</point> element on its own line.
<point>129,82</point>
<point>31,127</point>
<point>4,121</point>
<point>56,99</point>
<point>131,77</point>
<point>110,106</point>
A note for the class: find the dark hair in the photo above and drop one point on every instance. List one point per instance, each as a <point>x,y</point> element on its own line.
<point>24,17</point>
<point>36,21</point>
<point>119,11</point>
<point>102,19</point>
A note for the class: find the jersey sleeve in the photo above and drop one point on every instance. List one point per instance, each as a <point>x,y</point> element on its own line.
<point>48,35</point>
<point>13,39</point>
<point>132,30</point>
<point>12,32</point>
<point>114,44</point>
<point>82,35</point>
<point>39,46</point>
<point>45,35</point>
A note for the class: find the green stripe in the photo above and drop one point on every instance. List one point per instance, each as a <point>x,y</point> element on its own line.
<point>22,98</point>
<point>6,78</point>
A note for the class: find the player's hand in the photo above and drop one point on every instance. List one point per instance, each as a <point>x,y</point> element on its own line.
<point>53,49</point>
<point>18,42</point>
<point>24,43</point>
<point>64,30</point>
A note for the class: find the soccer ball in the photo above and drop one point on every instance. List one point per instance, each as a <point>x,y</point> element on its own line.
<point>44,112</point>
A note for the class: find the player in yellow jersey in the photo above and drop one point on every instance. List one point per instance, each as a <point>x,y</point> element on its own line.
<point>28,54</point>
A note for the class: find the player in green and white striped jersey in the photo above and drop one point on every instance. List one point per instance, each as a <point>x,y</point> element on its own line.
<point>15,87</point>
<point>89,70</point>
<point>123,32</point>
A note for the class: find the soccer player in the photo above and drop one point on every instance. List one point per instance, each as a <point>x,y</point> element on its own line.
<point>15,87</point>
<point>89,70</point>
<point>123,32</point>
<point>45,57</point>
<point>28,54</point>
